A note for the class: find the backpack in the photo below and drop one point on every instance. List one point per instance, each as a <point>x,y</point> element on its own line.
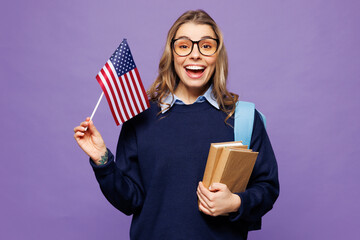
<point>244,121</point>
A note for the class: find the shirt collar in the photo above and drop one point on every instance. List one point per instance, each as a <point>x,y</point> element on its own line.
<point>172,99</point>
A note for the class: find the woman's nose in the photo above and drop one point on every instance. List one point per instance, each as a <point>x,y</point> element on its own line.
<point>195,54</point>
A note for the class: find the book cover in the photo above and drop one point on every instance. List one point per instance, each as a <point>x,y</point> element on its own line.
<point>213,157</point>
<point>234,168</point>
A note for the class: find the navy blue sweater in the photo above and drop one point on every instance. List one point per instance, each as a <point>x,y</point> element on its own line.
<point>161,159</point>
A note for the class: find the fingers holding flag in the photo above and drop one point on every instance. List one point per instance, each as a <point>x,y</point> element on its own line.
<point>90,140</point>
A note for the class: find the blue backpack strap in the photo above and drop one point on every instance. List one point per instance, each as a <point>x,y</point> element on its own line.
<point>263,118</point>
<point>244,121</point>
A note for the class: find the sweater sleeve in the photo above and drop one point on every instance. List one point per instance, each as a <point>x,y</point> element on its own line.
<point>263,187</point>
<point>120,180</point>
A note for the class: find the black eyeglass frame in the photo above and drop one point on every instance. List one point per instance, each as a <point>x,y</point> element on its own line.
<point>192,46</point>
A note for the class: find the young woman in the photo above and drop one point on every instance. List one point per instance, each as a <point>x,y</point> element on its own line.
<point>162,152</point>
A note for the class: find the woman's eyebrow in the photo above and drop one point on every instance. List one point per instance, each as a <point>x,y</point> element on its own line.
<point>207,37</point>
<point>182,37</point>
<point>190,38</point>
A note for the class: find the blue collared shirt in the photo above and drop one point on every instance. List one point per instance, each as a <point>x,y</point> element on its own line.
<point>208,96</point>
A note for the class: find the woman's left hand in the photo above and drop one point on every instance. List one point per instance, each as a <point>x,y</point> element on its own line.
<point>217,200</point>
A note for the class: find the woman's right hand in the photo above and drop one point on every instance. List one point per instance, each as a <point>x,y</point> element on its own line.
<point>90,141</point>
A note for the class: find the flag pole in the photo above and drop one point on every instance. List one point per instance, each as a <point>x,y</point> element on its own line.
<point>97,104</point>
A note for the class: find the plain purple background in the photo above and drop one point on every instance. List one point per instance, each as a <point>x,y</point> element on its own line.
<point>297,60</point>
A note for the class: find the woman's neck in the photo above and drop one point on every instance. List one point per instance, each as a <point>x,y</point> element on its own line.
<point>189,95</point>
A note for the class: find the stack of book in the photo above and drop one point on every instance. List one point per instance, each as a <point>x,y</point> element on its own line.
<point>230,163</point>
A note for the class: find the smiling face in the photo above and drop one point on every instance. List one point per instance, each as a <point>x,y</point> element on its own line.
<point>195,69</point>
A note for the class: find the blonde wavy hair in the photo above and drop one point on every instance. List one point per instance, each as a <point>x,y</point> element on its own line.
<point>167,78</point>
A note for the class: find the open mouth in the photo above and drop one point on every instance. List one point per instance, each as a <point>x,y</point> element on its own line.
<point>194,71</point>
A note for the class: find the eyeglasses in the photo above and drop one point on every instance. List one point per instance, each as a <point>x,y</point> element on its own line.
<point>184,46</point>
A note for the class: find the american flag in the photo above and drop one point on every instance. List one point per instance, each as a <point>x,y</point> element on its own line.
<point>122,86</point>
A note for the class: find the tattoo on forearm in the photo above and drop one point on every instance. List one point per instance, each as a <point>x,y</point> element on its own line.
<point>104,158</point>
